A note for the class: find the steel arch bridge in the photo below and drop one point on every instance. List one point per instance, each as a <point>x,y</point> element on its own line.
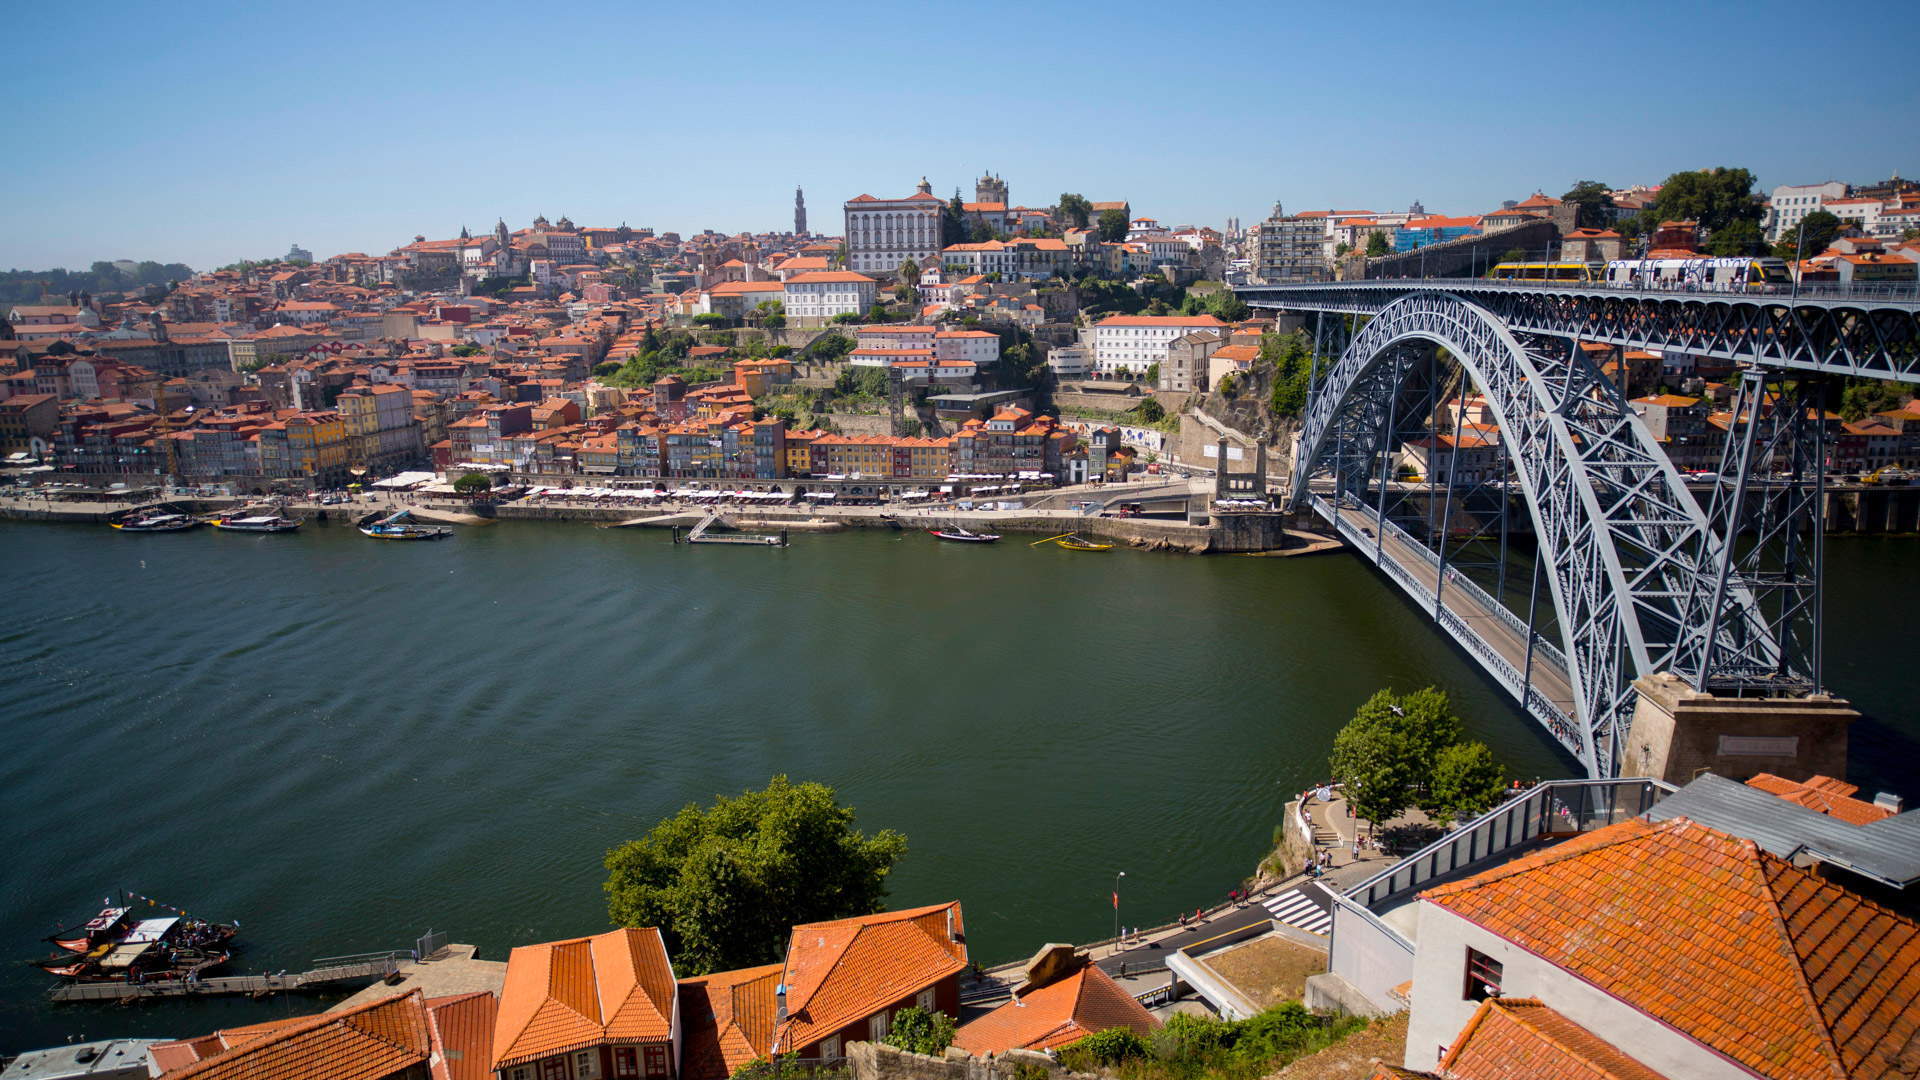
<point>1640,577</point>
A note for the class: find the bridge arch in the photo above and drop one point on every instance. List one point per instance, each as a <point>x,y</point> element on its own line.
<point>1622,544</point>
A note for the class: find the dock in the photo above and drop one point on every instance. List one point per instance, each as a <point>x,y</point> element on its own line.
<point>326,973</point>
<point>701,534</point>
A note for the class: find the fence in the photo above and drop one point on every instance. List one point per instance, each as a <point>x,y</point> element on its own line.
<point>430,942</point>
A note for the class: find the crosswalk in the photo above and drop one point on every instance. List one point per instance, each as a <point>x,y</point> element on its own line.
<point>1307,907</point>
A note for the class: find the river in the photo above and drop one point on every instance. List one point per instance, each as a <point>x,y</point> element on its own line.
<point>343,744</point>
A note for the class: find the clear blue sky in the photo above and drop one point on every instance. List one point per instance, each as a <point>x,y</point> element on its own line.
<point>207,132</point>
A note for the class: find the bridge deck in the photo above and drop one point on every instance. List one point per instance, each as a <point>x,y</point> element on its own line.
<point>1491,635</point>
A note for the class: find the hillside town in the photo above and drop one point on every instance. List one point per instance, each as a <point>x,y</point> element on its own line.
<point>931,340</point>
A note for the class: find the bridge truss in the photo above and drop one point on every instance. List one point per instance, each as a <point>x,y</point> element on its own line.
<point>1640,577</point>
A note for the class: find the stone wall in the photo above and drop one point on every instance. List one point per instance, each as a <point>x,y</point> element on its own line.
<point>877,1061</point>
<point>1679,732</point>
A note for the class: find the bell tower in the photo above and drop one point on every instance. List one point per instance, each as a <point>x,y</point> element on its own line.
<point>799,212</point>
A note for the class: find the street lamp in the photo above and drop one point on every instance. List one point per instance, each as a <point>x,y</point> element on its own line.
<point>1116,908</point>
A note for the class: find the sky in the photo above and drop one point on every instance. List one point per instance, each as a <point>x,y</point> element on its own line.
<point>209,132</point>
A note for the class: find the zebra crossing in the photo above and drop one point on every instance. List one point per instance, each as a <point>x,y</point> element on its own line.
<point>1307,907</point>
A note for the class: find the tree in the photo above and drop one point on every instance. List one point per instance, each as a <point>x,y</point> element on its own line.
<point>1740,237</point>
<point>1074,210</point>
<point>1227,306</point>
<point>1594,202</point>
<point>1291,358</point>
<point>710,318</point>
<point>1809,238</point>
<point>1113,225</point>
<point>918,1031</point>
<point>1868,396</point>
<point>465,348</point>
<point>1341,249</point>
<point>953,222</point>
<point>910,273</point>
<point>1377,245</point>
<point>726,883</point>
<point>1152,376</point>
<point>1113,1046</point>
<point>1384,756</point>
<point>830,347</point>
<point>1466,781</point>
<point>473,484</point>
<point>1150,411</point>
<point>1716,198</point>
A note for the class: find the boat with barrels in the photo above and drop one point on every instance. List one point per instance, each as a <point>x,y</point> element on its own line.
<point>153,520</point>
<point>119,945</point>
<point>258,523</point>
<point>401,526</point>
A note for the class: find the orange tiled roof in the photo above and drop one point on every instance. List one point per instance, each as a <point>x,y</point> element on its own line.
<point>374,1040</point>
<point>1057,1014</point>
<point>567,995</point>
<point>1786,973</point>
<point>726,1020</point>
<point>845,970</point>
<point>1831,797</point>
<point>1521,1039</point>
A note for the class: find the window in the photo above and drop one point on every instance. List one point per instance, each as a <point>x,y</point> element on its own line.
<point>626,1062</point>
<point>656,1059</point>
<point>830,1047</point>
<point>554,1068</point>
<point>1483,976</point>
<point>877,1027</point>
<point>925,999</point>
<point>583,1064</point>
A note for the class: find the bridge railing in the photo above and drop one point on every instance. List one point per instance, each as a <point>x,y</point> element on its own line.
<point>1826,290</point>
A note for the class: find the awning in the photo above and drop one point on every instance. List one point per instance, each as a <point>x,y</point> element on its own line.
<point>147,931</point>
<point>124,956</point>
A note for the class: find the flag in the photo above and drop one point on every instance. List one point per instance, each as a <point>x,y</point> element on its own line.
<point>1116,900</point>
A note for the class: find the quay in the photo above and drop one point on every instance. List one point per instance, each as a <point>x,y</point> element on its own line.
<point>326,973</point>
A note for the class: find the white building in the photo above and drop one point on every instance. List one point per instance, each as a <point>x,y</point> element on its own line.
<point>1127,345</point>
<point>1791,202</point>
<point>884,233</point>
<point>823,294</point>
<point>884,336</point>
<point>1070,361</point>
<point>976,347</point>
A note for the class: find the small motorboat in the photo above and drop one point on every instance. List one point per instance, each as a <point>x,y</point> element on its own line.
<point>156,520</point>
<point>263,523</point>
<point>962,535</point>
<point>398,527</point>
<point>1073,543</point>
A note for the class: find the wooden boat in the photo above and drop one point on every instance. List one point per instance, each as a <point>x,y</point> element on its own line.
<point>397,527</point>
<point>156,520</point>
<point>963,535</point>
<point>1073,543</point>
<point>118,946</point>
<point>264,523</point>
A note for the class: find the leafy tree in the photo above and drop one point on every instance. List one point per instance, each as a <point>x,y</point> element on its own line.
<point>1868,396</point>
<point>1740,237</point>
<point>918,1031</point>
<point>877,313</point>
<point>1377,245</point>
<point>1227,306</point>
<point>1384,756</point>
<point>725,884</point>
<point>1150,411</point>
<point>1291,359</point>
<point>1341,249</point>
<point>1716,198</point>
<point>710,319</point>
<point>1595,204</point>
<point>1466,781</point>
<point>1113,1046</point>
<point>980,233</point>
<point>829,347</point>
<point>473,484</point>
<point>1809,238</point>
<point>1153,374</point>
<point>605,368</point>
<point>1074,210</point>
<point>953,222</point>
<point>465,348</point>
<point>1113,225</point>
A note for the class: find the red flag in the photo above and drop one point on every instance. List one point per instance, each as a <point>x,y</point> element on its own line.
<point>1116,901</point>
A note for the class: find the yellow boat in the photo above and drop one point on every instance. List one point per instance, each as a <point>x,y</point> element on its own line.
<point>1072,543</point>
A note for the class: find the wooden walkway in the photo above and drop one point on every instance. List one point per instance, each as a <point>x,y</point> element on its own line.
<point>326,974</point>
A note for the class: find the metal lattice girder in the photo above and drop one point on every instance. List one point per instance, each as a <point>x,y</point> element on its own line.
<point>1867,332</point>
<point>1622,542</point>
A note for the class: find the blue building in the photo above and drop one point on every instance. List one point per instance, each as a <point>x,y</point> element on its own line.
<point>1420,232</point>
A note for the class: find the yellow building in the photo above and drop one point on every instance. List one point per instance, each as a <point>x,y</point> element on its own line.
<point>317,447</point>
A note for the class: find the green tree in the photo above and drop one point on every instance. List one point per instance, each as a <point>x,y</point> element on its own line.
<point>1716,198</point>
<point>1594,203</point>
<point>1341,249</point>
<point>1865,397</point>
<point>465,348</point>
<point>710,319</point>
<point>918,1031</point>
<point>1149,411</point>
<point>1074,210</point>
<point>829,347</point>
<point>1377,245</point>
<point>473,484</point>
<point>1113,225</point>
<point>726,883</point>
<point>1465,781</point>
<point>1227,306</point>
<point>910,274</point>
<point>1113,1046</point>
<point>1737,238</point>
<point>953,222</point>
<point>1809,238</point>
<point>1384,756</point>
<point>1290,357</point>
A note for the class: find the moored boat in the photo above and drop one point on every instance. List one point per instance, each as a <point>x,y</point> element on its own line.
<point>398,527</point>
<point>1073,543</point>
<point>155,520</point>
<point>961,534</point>
<point>118,946</point>
<point>263,523</point>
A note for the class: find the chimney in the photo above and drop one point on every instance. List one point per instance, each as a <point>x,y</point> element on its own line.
<point>1887,800</point>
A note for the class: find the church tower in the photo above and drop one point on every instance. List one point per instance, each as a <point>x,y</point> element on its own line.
<point>990,189</point>
<point>799,212</point>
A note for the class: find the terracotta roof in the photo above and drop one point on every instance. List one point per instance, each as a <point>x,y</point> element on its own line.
<point>1764,963</point>
<point>823,276</point>
<point>1521,1039</point>
<point>462,1031</point>
<point>565,995</point>
<point>726,1019</point>
<point>1056,1014</point>
<point>1160,320</point>
<point>1831,797</point>
<point>842,971</point>
<point>375,1040</point>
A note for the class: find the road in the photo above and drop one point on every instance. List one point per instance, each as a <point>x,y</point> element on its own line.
<point>1548,677</point>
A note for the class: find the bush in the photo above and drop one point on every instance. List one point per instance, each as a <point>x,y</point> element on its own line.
<point>921,1032</point>
<point>1111,1047</point>
<point>710,320</point>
